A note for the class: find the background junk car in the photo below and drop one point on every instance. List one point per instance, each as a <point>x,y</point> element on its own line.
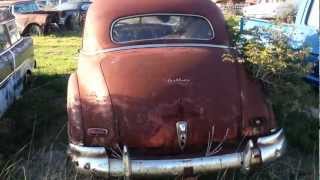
<point>30,19</point>
<point>153,96</point>
<point>71,12</point>
<point>303,33</point>
<point>270,9</point>
<point>16,60</point>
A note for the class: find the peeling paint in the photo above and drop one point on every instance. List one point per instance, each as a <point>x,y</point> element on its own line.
<point>12,86</point>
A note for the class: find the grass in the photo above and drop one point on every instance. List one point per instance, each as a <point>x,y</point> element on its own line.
<point>39,118</point>
<point>43,103</point>
<point>36,149</point>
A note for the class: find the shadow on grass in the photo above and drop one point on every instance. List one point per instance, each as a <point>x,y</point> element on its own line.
<point>39,115</point>
<point>41,111</point>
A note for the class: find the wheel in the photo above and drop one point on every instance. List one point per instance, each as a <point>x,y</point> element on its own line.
<point>187,178</point>
<point>28,79</point>
<point>71,23</point>
<point>34,30</point>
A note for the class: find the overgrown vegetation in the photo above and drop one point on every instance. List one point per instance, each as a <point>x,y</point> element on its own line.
<point>37,148</point>
<point>281,71</point>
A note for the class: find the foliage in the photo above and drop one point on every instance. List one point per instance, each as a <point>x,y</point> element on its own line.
<point>233,28</point>
<point>269,58</point>
<point>289,14</point>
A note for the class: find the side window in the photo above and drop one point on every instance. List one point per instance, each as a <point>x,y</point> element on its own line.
<point>313,19</point>
<point>4,41</point>
<point>5,65</point>
<point>13,31</point>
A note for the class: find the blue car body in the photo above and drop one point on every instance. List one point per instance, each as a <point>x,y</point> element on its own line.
<point>301,33</point>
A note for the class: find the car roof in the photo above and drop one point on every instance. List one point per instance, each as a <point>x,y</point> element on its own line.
<point>8,3</point>
<point>102,14</point>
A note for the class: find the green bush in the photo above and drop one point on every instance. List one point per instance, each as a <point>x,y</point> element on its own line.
<point>280,69</point>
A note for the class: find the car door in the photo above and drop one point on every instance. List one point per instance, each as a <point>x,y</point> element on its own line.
<point>312,35</point>
<point>312,24</point>
<point>306,32</point>
<point>6,70</point>
<point>22,51</point>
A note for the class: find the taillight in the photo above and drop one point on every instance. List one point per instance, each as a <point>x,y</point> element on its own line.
<point>97,132</point>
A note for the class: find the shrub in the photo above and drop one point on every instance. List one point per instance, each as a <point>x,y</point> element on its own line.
<point>280,69</point>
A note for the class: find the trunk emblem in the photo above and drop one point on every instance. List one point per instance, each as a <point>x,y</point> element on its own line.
<point>182,130</point>
<point>179,81</point>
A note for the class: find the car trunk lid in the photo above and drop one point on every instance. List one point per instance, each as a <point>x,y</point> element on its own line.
<point>153,90</point>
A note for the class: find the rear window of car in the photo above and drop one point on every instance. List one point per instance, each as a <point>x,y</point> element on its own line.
<point>161,27</point>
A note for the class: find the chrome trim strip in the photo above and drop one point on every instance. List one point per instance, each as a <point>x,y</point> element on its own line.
<point>5,22</point>
<point>155,14</point>
<point>88,151</point>
<point>155,46</point>
<point>107,167</point>
<point>14,59</point>
<point>12,46</point>
<point>14,62</point>
<point>13,72</point>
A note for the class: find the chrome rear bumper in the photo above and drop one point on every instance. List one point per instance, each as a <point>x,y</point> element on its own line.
<point>94,160</point>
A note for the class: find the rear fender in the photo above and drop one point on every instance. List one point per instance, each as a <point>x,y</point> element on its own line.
<point>254,107</point>
<point>99,123</point>
<point>75,126</point>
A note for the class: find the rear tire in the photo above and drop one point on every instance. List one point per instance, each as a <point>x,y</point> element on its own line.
<point>28,79</point>
<point>71,23</point>
<point>34,30</point>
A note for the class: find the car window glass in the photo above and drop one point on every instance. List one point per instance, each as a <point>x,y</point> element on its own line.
<point>4,41</point>
<point>26,7</point>
<point>85,7</point>
<point>155,27</point>
<point>313,19</point>
<point>13,31</point>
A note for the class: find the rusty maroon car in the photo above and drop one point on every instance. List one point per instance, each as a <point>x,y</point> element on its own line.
<point>153,95</point>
